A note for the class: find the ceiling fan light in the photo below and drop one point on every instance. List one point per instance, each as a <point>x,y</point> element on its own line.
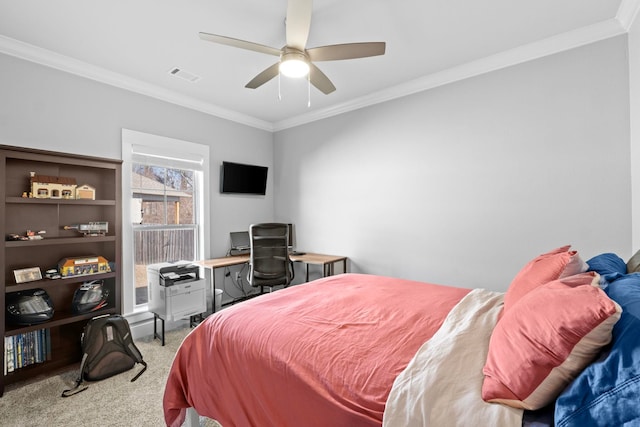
<point>294,65</point>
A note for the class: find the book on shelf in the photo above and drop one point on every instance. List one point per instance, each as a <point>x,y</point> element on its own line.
<point>26,349</point>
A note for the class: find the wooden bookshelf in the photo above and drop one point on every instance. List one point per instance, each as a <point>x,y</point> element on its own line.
<point>19,214</point>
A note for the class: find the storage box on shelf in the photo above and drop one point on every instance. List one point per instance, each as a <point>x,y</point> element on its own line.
<point>47,218</point>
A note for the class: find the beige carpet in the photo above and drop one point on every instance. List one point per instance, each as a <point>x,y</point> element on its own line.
<point>115,401</point>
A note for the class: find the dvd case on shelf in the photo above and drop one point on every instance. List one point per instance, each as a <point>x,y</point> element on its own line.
<point>26,349</point>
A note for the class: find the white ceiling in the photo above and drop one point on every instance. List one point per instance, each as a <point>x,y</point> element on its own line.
<point>134,43</point>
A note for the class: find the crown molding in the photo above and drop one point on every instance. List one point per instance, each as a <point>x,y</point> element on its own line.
<point>627,13</point>
<point>70,65</point>
<point>508,58</point>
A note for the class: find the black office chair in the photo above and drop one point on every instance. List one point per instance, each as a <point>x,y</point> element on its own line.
<point>269,263</point>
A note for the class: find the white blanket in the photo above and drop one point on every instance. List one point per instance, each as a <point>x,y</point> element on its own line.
<point>442,384</point>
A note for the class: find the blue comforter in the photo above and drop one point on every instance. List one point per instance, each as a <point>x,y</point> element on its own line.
<point>607,392</point>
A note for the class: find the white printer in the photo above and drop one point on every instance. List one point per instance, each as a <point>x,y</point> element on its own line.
<point>176,290</point>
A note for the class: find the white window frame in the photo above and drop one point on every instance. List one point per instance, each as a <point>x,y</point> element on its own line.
<point>168,152</point>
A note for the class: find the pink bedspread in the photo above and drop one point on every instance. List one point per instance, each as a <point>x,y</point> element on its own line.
<point>318,354</point>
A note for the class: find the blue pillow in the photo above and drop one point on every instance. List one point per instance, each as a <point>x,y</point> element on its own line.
<point>607,265</point>
<point>606,392</point>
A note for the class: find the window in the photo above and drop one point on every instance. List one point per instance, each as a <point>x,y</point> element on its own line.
<point>164,210</point>
<point>167,229</point>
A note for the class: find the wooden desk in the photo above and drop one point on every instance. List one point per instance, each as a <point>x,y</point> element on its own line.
<point>225,261</point>
<point>326,261</point>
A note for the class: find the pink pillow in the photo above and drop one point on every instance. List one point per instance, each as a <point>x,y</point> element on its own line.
<point>551,334</point>
<point>544,268</point>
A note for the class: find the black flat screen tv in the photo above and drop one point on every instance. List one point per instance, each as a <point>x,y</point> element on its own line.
<point>238,178</point>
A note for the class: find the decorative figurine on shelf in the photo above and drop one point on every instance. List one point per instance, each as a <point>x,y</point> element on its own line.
<point>29,235</point>
<point>83,265</point>
<point>86,192</point>
<point>32,235</point>
<point>52,187</point>
<point>98,228</point>
<point>16,237</point>
<point>52,273</point>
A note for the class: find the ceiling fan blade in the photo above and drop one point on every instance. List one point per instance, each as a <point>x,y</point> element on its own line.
<point>298,23</point>
<point>264,76</point>
<point>242,44</point>
<point>346,51</point>
<point>320,80</point>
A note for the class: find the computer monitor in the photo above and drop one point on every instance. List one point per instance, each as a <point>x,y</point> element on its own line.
<point>240,241</point>
<point>290,242</point>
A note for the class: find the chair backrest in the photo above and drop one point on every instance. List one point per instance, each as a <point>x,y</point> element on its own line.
<point>269,263</point>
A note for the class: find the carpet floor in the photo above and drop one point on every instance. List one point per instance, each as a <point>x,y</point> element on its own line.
<point>115,401</point>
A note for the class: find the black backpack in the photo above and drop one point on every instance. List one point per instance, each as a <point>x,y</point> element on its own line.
<point>107,350</point>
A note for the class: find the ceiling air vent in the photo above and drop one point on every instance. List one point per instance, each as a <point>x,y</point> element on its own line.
<point>184,75</point>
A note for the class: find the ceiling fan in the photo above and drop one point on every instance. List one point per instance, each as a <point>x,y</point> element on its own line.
<point>295,59</point>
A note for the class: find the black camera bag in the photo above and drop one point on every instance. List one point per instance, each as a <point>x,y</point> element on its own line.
<point>107,349</point>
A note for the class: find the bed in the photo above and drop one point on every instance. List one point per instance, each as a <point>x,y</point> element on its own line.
<point>365,350</point>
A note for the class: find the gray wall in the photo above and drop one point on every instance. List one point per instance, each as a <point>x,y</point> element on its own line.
<point>634,90</point>
<point>460,185</point>
<point>464,183</point>
<point>48,109</point>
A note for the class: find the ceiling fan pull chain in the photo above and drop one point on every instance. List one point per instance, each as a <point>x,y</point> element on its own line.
<point>279,92</point>
<point>309,90</point>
